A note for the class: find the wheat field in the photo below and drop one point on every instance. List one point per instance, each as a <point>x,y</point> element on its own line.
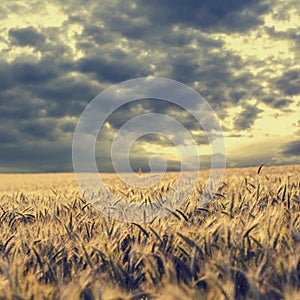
<point>245,244</point>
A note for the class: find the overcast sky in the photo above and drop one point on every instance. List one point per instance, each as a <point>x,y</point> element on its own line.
<point>243,57</point>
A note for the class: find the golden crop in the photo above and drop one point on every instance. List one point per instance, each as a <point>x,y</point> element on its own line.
<point>245,244</point>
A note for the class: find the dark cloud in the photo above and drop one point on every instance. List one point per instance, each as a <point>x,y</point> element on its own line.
<point>36,157</point>
<point>156,139</point>
<point>289,82</point>
<point>134,28</point>
<point>247,117</point>
<point>113,71</point>
<point>209,64</point>
<point>5,76</point>
<point>160,140</point>
<point>7,136</point>
<point>67,126</point>
<point>145,106</point>
<point>33,73</point>
<point>26,71</point>
<point>42,94</point>
<point>28,36</point>
<point>143,160</point>
<point>42,129</point>
<point>150,19</point>
<point>251,159</point>
<point>68,96</point>
<point>96,34</point>
<point>275,102</point>
<point>43,85</point>
<point>183,36</point>
<point>213,15</point>
<point>215,74</point>
<point>18,104</point>
<point>291,35</point>
<point>291,148</point>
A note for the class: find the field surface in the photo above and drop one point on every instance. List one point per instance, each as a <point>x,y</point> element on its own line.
<point>244,244</point>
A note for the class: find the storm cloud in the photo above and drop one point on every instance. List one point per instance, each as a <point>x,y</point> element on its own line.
<point>28,36</point>
<point>55,59</point>
<point>247,117</point>
<point>292,148</point>
<point>213,15</point>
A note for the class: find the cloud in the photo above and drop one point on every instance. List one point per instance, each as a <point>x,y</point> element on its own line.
<point>157,106</point>
<point>291,148</point>
<point>28,36</point>
<point>275,102</point>
<point>251,159</point>
<point>27,71</point>
<point>213,15</point>
<point>247,117</point>
<point>155,139</point>
<point>49,73</point>
<point>113,71</point>
<point>166,44</point>
<point>41,85</point>
<point>97,34</point>
<point>42,129</point>
<point>7,137</point>
<point>17,104</point>
<point>289,82</point>
<point>36,157</point>
<point>291,34</point>
<point>68,96</point>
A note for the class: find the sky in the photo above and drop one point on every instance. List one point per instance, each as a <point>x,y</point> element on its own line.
<point>243,57</point>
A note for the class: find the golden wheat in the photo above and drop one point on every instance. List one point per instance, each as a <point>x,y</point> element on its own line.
<point>245,244</point>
